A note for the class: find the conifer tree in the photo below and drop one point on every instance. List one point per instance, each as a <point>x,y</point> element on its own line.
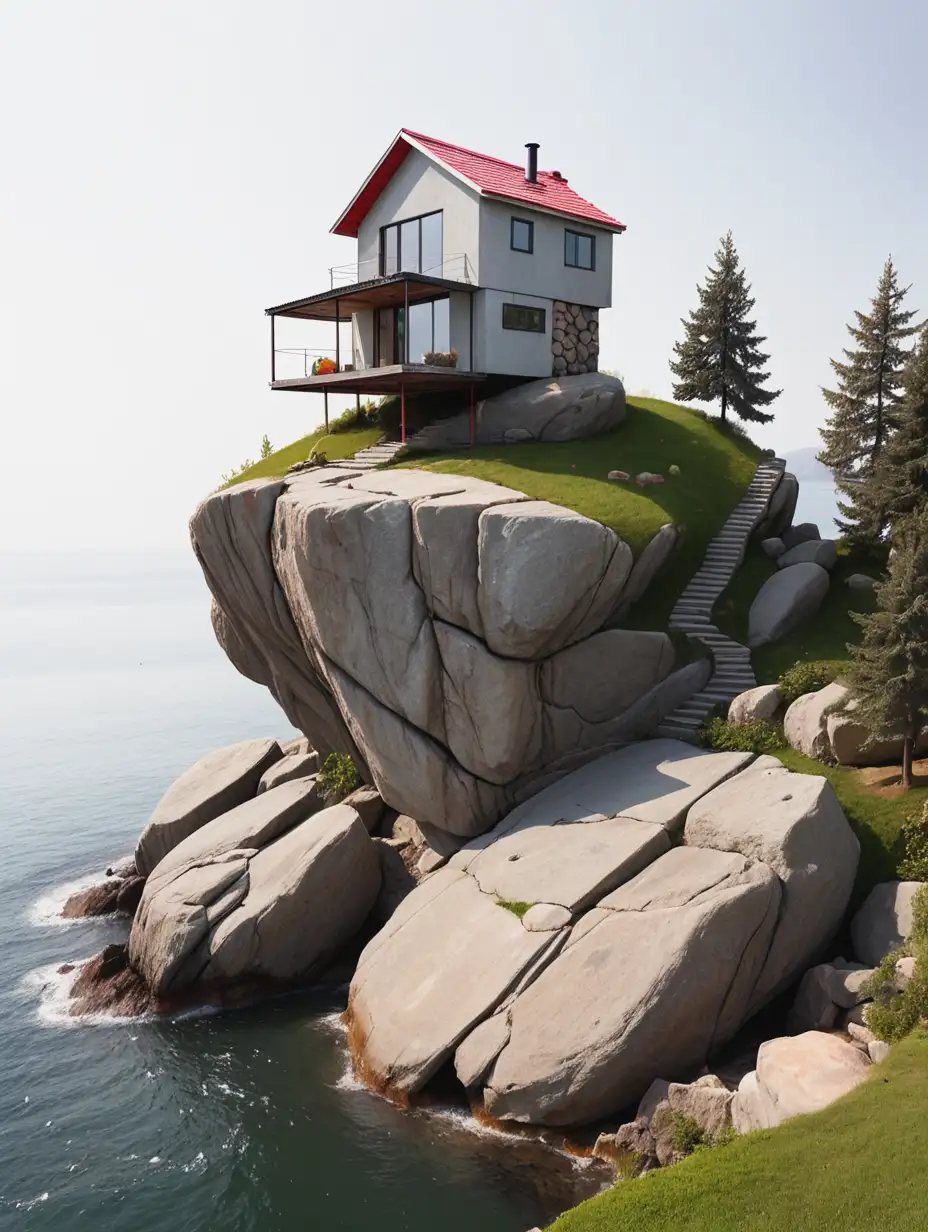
<point>889,669</point>
<point>900,481</point>
<point>865,405</point>
<point>719,358</point>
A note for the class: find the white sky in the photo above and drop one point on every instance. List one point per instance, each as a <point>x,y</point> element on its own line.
<point>167,170</point>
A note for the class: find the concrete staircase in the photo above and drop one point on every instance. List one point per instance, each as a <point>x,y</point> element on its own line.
<point>368,459</point>
<point>732,672</point>
<point>450,433</point>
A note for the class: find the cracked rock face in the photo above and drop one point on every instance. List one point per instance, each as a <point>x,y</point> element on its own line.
<point>573,954</point>
<point>250,894</point>
<point>449,633</point>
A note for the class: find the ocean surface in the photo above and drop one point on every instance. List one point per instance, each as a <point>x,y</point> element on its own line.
<point>111,684</point>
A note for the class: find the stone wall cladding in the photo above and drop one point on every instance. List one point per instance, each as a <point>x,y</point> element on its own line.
<point>574,339</point>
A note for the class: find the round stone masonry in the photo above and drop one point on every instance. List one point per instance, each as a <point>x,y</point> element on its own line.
<point>574,339</point>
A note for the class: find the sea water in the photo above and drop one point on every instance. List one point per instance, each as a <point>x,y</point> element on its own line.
<point>111,684</point>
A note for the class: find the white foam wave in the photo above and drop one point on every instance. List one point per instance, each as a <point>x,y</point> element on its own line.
<point>47,908</point>
<point>53,987</point>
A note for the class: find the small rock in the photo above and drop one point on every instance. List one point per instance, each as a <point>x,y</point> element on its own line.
<point>760,703</point>
<point>407,829</point>
<point>860,1033</point>
<point>822,552</point>
<point>617,475</point>
<point>814,1008</point>
<point>429,861</point>
<point>856,1017</point>
<point>673,469</point>
<point>299,744</point>
<point>367,803</point>
<point>878,1050</point>
<point>98,900</point>
<point>905,969</point>
<point>655,1095</point>
<point>847,984</point>
<point>293,766</point>
<point>774,548</point>
<point>860,581</point>
<point>794,535</point>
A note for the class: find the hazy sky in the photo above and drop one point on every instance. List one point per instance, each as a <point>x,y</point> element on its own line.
<point>169,169</point>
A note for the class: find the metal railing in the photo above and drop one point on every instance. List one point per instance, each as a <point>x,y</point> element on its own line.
<point>287,368</point>
<point>457,267</point>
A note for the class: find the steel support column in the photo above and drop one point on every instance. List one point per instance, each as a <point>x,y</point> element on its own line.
<point>473,418</point>
<point>403,413</point>
<point>273,354</point>
<point>338,364</point>
<point>405,321</point>
<point>325,394</point>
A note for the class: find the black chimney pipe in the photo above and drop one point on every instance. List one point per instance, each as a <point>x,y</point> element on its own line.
<point>531,171</point>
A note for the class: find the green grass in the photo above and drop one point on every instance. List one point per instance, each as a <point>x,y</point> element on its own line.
<point>858,1166</point>
<point>337,445</point>
<point>517,908</point>
<point>716,467</point>
<point>875,819</point>
<point>825,637</point>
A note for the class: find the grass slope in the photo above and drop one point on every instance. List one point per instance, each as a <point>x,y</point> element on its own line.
<point>715,466</point>
<point>337,445</point>
<point>825,637</point>
<point>858,1166</point>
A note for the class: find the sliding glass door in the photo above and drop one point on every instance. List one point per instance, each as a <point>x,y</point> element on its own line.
<point>413,246</point>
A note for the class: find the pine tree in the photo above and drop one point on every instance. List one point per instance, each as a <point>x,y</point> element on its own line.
<point>719,359</point>
<point>865,406</point>
<point>900,481</point>
<point>889,669</point>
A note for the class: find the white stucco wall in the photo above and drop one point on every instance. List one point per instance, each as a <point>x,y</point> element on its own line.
<point>419,187</point>
<point>543,271</point>
<point>362,339</point>
<point>512,352</point>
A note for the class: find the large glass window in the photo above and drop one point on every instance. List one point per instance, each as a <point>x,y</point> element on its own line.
<point>429,329</point>
<point>520,316</point>
<point>414,246</point>
<point>431,245</point>
<point>579,250</point>
<point>521,235</point>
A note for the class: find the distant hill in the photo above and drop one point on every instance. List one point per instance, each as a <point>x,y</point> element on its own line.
<point>805,465</point>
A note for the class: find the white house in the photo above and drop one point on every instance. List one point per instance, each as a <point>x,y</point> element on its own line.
<point>458,252</point>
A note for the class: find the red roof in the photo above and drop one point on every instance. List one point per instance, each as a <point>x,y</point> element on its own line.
<point>489,176</point>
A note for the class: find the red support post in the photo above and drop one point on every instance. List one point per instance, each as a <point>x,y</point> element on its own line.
<point>402,413</point>
<point>473,418</point>
<point>325,394</point>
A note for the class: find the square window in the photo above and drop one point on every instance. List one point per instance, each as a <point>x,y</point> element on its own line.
<point>579,250</point>
<point>521,235</point>
<point>522,317</point>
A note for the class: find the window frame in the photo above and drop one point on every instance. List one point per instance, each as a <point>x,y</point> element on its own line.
<point>584,235</point>
<point>526,222</point>
<point>399,331</point>
<point>522,329</point>
<point>397,225</point>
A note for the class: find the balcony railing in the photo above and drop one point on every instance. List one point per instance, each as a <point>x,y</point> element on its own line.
<point>455,268</point>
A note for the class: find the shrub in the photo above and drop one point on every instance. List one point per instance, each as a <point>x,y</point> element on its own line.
<point>266,447</point>
<point>758,736</point>
<point>686,1134</point>
<point>914,835</point>
<point>337,778</point>
<point>805,678</point>
<point>894,1014</point>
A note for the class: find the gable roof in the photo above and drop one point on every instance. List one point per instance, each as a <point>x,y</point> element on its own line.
<point>491,177</point>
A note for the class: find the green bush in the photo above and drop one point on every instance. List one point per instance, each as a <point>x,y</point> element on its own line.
<point>364,416</point>
<point>805,678</point>
<point>758,736</point>
<point>894,1014</point>
<point>914,835</point>
<point>337,778</point>
<point>686,1134</point>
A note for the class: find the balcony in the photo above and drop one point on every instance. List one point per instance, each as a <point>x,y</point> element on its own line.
<point>456,267</point>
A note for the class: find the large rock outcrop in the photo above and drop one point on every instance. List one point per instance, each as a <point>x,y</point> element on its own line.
<point>216,783</point>
<point>447,632</point>
<point>825,724</point>
<point>270,890</point>
<point>571,955</point>
<point>563,408</point>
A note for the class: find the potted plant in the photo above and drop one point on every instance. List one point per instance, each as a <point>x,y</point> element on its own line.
<point>441,359</point>
<point>323,366</point>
